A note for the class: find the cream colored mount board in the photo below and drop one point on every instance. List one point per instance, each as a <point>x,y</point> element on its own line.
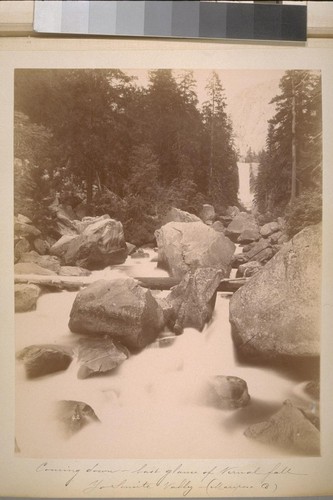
<point>16,17</point>
<point>73,473</point>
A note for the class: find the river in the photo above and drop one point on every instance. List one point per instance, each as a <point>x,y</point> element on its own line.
<point>152,405</point>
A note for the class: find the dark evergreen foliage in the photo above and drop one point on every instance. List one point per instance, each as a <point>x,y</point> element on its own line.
<point>273,184</point>
<point>96,137</point>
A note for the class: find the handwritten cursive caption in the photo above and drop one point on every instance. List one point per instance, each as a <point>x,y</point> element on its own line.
<point>176,481</point>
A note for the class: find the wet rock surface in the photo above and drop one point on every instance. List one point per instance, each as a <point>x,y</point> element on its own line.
<point>99,356</point>
<point>290,429</point>
<point>26,296</point>
<point>74,415</point>
<point>193,300</point>
<point>183,247</point>
<point>277,312</point>
<point>42,360</point>
<point>120,308</point>
<point>227,392</point>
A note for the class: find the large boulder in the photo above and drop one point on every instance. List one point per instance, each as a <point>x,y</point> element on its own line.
<point>41,360</point>
<point>240,223</point>
<point>288,429</point>
<point>183,247</point>
<point>193,300</point>
<point>277,312</point>
<point>26,296</point>
<point>120,308</point>
<point>100,244</point>
<point>46,261</point>
<point>177,215</point>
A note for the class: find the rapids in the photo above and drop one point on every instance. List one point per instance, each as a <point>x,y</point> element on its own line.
<point>152,406</point>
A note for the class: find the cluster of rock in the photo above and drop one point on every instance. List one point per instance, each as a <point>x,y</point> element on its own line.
<point>97,243</point>
<point>276,314</point>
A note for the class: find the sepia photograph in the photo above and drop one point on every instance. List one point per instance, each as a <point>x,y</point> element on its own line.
<point>167,264</point>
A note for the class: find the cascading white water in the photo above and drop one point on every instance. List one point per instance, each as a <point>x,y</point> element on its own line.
<point>153,405</point>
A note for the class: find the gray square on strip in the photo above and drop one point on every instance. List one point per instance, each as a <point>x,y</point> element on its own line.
<point>75,17</point>
<point>130,18</point>
<point>158,18</point>
<point>213,20</point>
<point>102,17</point>
<point>47,17</point>
<point>185,18</point>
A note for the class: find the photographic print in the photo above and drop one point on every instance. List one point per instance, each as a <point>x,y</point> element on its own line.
<point>167,263</point>
<point>166,326</point>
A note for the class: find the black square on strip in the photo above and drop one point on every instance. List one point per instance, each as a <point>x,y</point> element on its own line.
<point>240,21</point>
<point>213,20</point>
<point>267,22</point>
<point>293,25</point>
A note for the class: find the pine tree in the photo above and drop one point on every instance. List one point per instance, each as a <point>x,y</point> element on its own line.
<point>222,169</point>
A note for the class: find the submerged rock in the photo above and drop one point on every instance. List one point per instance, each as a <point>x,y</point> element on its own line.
<point>183,247</point>
<point>227,392</point>
<point>289,429</point>
<point>97,356</point>
<point>26,296</point>
<point>42,360</point>
<point>193,300</point>
<point>120,308</point>
<point>277,312</point>
<point>74,415</point>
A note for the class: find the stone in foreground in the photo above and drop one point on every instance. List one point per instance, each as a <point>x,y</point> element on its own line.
<point>26,296</point>
<point>227,392</point>
<point>288,429</point>
<point>277,312</point>
<point>184,247</point>
<point>98,356</point>
<point>42,360</point>
<point>121,309</point>
<point>74,415</point>
<point>193,300</point>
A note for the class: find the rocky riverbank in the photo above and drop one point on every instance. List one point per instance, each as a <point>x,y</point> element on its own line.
<point>275,314</point>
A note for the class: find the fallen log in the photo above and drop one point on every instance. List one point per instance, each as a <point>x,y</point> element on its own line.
<point>166,282</point>
<point>72,283</point>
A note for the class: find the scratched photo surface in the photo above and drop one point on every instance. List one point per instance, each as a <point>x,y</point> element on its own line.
<point>167,273</point>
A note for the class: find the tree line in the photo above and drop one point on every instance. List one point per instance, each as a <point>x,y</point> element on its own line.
<point>289,180</point>
<point>99,139</point>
